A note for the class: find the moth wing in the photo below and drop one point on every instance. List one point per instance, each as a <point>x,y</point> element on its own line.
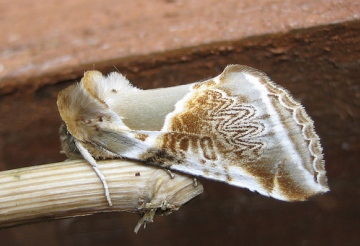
<point>252,132</point>
<point>239,128</point>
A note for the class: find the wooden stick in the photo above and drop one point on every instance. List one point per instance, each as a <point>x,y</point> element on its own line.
<point>72,188</point>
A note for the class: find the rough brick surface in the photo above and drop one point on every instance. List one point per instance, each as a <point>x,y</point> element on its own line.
<point>44,41</point>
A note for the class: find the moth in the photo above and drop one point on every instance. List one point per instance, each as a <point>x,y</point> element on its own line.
<point>238,127</point>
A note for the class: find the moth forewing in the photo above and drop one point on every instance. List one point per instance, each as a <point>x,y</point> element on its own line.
<point>239,128</point>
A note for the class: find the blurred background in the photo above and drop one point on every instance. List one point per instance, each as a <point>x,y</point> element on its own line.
<point>312,48</point>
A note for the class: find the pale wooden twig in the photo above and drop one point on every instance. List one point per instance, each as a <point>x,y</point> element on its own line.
<point>71,188</point>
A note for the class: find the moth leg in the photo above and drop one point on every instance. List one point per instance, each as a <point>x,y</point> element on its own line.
<point>172,176</point>
<point>195,182</point>
<point>147,217</point>
<point>87,156</point>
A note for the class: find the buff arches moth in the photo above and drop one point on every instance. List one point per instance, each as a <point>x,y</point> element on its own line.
<point>238,127</point>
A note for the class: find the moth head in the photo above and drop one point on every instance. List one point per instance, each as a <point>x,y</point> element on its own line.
<point>83,111</point>
<point>68,143</point>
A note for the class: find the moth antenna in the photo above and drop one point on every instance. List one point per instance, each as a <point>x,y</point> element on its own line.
<point>87,156</point>
<point>116,69</point>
